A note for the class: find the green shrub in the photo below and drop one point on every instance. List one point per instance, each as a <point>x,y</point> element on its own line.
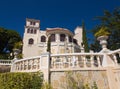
<point>21,80</point>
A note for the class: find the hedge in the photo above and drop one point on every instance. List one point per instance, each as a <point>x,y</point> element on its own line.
<point>21,80</point>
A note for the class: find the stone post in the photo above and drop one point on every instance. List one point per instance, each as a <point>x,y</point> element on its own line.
<point>13,66</point>
<point>45,65</point>
<point>16,52</point>
<point>107,61</point>
<point>103,43</point>
<point>82,49</point>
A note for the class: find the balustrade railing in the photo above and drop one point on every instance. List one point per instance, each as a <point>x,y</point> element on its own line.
<point>27,64</point>
<point>80,60</point>
<point>115,56</point>
<point>68,60</point>
<point>5,62</point>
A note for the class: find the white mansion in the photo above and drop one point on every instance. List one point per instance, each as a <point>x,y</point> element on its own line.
<point>66,55</point>
<point>62,40</point>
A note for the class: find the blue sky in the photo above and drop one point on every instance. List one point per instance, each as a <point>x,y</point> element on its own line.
<point>53,13</point>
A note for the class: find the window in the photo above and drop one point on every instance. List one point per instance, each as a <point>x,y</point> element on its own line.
<point>31,41</point>
<point>52,38</point>
<point>35,31</point>
<point>62,37</point>
<point>31,31</point>
<point>75,41</point>
<point>30,23</point>
<point>70,39</point>
<point>43,39</point>
<point>33,23</point>
<point>28,30</point>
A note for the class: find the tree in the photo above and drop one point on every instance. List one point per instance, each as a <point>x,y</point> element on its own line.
<point>8,38</point>
<point>85,41</point>
<point>49,45</point>
<point>3,40</point>
<point>111,20</point>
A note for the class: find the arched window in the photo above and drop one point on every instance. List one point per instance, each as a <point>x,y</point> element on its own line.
<point>28,30</point>
<point>31,31</point>
<point>70,39</point>
<point>52,38</point>
<point>35,31</point>
<point>43,39</point>
<point>31,41</point>
<point>62,37</point>
<point>75,41</point>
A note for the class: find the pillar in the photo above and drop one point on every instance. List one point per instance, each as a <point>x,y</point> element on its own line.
<point>45,65</point>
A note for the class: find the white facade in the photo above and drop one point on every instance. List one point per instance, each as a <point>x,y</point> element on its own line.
<point>35,40</point>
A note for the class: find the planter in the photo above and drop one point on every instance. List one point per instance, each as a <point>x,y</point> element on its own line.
<point>16,52</point>
<point>103,42</point>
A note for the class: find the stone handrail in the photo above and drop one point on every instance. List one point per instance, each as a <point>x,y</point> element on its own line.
<point>5,62</point>
<point>67,60</point>
<point>115,56</point>
<point>76,60</point>
<point>114,52</point>
<point>26,65</point>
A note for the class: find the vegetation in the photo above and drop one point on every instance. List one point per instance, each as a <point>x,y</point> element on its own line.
<point>35,81</point>
<point>111,21</point>
<point>46,86</point>
<point>18,45</point>
<point>8,38</point>
<point>49,45</point>
<point>21,80</point>
<point>85,41</point>
<point>102,32</point>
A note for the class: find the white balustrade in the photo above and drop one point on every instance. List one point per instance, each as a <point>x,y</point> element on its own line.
<point>26,65</point>
<point>5,62</point>
<point>68,60</point>
<point>81,60</point>
<point>115,56</point>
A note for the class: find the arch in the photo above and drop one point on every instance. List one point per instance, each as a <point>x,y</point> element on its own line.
<point>31,31</point>
<point>28,30</point>
<point>75,41</point>
<point>70,39</point>
<point>35,31</point>
<point>30,41</point>
<point>52,38</point>
<point>43,39</point>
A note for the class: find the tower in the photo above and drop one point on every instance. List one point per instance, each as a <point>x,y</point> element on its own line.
<point>31,33</point>
<point>78,35</point>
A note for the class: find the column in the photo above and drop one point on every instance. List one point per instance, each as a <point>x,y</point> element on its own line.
<point>45,65</point>
<point>58,41</point>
